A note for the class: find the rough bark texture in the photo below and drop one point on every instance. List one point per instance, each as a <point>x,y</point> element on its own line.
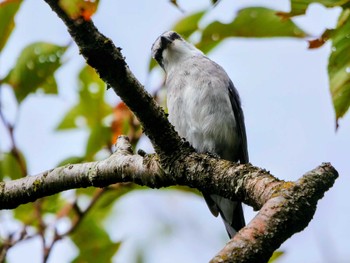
<point>101,54</point>
<point>285,207</point>
<point>288,208</point>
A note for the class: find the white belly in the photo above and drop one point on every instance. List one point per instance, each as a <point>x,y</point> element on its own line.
<point>204,117</point>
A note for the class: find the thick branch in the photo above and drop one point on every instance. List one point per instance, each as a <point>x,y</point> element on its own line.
<point>101,54</point>
<point>288,209</point>
<point>285,207</point>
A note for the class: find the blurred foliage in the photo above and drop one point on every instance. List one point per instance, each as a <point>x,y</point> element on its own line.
<point>125,122</point>
<point>10,166</point>
<point>261,22</point>
<point>35,69</point>
<point>93,242</point>
<point>79,8</point>
<point>8,10</point>
<point>339,65</point>
<point>189,24</point>
<point>86,209</point>
<point>249,22</point>
<point>299,7</point>
<point>90,112</point>
<point>275,256</point>
<point>91,238</point>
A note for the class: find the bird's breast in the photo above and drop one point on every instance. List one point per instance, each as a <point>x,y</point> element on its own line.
<point>201,112</point>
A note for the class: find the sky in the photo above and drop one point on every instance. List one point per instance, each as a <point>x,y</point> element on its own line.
<point>289,117</point>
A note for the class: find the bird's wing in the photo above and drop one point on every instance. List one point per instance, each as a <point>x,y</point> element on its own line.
<point>231,211</point>
<point>237,110</point>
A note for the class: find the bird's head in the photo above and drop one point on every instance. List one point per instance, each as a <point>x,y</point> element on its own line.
<point>171,48</point>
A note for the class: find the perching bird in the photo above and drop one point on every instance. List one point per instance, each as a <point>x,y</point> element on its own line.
<point>205,109</point>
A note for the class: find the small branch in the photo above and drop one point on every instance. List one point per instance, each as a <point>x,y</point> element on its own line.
<point>122,166</point>
<point>81,214</point>
<point>79,218</point>
<point>10,242</point>
<point>14,150</point>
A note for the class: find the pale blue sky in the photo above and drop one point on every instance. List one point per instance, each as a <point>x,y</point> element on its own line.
<point>289,119</point>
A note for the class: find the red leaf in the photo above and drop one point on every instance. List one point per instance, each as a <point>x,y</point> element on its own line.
<point>318,42</point>
<point>125,123</point>
<point>79,8</point>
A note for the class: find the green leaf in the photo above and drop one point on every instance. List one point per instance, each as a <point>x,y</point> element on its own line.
<point>10,166</point>
<point>276,255</point>
<point>339,66</point>
<point>152,64</point>
<point>189,24</point>
<point>106,201</point>
<point>79,8</point>
<point>73,119</point>
<point>93,242</point>
<point>257,22</point>
<point>91,108</point>
<point>90,112</point>
<point>49,86</point>
<point>99,137</point>
<point>90,237</point>
<point>114,193</point>
<point>27,213</point>
<point>299,7</point>
<point>35,68</point>
<point>8,10</point>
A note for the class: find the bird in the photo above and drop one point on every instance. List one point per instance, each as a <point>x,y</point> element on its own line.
<point>205,108</point>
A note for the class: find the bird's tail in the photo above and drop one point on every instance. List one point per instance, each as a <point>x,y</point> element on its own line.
<point>230,211</point>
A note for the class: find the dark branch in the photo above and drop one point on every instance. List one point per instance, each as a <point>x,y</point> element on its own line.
<point>285,207</point>
<point>101,54</point>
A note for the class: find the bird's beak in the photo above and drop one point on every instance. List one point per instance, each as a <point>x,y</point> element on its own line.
<point>165,41</point>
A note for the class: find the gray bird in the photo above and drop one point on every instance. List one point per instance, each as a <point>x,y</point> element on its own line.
<point>205,109</point>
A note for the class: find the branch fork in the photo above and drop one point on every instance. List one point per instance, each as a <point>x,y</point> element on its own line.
<point>285,207</point>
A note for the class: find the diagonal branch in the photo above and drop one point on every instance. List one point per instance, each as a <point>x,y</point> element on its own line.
<point>288,209</point>
<point>101,54</point>
<point>285,207</point>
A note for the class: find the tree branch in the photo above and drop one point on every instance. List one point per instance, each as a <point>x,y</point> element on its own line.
<point>101,54</point>
<point>288,209</point>
<point>285,207</point>
<point>119,167</point>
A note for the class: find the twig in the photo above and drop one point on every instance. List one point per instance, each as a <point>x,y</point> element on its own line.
<point>80,215</point>
<point>14,149</point>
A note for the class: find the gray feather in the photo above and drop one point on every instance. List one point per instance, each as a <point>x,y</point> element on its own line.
<point>205,109</point>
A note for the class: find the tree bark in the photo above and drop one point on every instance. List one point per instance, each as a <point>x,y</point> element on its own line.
<point>285,207</point>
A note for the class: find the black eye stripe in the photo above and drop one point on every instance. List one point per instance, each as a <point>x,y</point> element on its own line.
<point>162,44</point>
<point>174,36</point>
<point>158,56</point>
